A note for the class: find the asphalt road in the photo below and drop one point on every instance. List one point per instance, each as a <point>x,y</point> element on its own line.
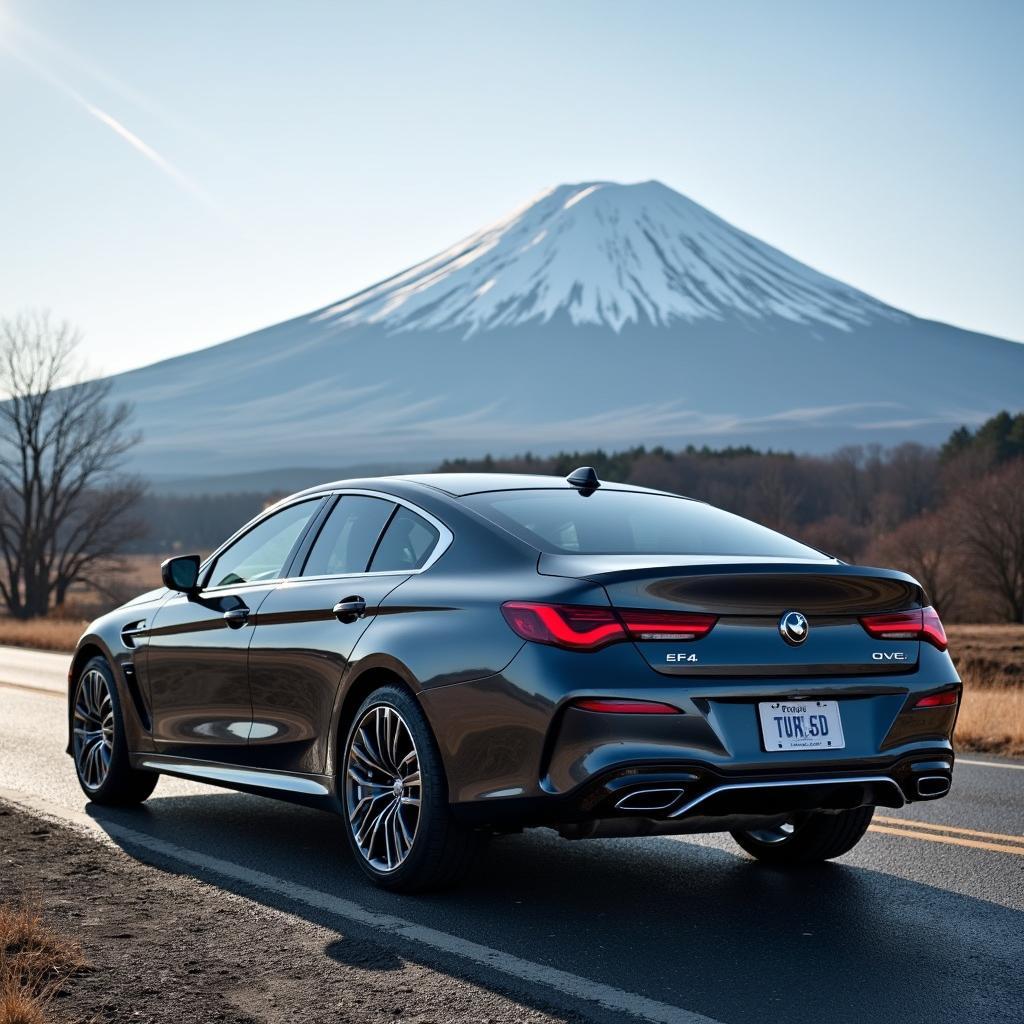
<point>923,921</point>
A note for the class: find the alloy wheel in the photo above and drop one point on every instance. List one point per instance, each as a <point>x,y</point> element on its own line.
<point>382,788</point>
<point>93,729</point>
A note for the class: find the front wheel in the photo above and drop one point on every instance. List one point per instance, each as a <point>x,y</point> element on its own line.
<point>99,743</point>
<point>395,798</point>
<point>807,837</point>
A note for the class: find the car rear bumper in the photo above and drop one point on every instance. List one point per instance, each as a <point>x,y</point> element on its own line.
<point>518,751</point>
<point>694,797</point>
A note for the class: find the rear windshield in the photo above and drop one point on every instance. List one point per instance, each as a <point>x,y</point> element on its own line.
<point>630,523</point>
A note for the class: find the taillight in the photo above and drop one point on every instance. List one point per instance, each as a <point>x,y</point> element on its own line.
<point>587,627</point>
<point>644,625</point>
<point>580,627</point>
<point>611,706</point>
<point>894,625</point>
<point>932,629</point>
<point>937,700</point>
<point>918,624</point>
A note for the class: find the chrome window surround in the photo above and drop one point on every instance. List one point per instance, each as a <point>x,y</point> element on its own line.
<point>445,538</point>
<point>205,566</point>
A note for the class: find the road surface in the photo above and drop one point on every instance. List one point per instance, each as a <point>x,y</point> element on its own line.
<point>923,921</point>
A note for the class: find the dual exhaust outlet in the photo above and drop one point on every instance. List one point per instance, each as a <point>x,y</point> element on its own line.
<point>649,799</point>
<point>645,801</point>
<point>932,785</point>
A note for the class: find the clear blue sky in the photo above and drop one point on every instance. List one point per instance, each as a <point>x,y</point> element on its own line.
<point>299,151</point>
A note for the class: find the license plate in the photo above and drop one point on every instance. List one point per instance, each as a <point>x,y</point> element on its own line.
<point>801,725</point>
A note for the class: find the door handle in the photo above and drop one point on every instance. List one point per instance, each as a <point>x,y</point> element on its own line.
<point>350,608</point>
<point>236,617</point>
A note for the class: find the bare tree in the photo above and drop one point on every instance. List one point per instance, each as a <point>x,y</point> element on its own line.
<point>989,521</point>
<point>64,505</point>
<point>927,548</point>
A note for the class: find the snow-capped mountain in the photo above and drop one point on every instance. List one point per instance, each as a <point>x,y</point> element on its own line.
<point>597,315</point>
<point>606,254</point>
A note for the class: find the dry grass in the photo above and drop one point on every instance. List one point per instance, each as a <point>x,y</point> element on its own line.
<point>991,721</point>
<point>49,634</point>
<point>18,1006</point>
<point>988,655</point>
<point>34,962</point>
<point>990,660</point>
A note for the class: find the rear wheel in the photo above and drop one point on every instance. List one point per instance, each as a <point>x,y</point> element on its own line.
<point>807,837</point>
<point>99,743</point>
<point>395,798</point>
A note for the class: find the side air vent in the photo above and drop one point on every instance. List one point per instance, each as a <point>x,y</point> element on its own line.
<point>138,701</point>
<point>130,632</point>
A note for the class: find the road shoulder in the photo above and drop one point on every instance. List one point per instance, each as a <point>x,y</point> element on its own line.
<point>149,933</point>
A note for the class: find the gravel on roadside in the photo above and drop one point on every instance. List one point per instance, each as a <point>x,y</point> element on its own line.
<point>164,948</point>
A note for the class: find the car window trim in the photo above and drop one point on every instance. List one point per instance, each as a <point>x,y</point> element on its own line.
<point>297,568</point>
<point>299,557</point>
<point>208,566</point>
<point>445,538</point>
<point>380,538</point>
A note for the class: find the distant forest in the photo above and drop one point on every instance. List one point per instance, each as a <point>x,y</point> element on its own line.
<point>952,516</point>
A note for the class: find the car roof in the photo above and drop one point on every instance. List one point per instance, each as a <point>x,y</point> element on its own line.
<point>459,485</point>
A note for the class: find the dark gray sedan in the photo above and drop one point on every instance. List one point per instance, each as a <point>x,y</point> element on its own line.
<point>441,658</point>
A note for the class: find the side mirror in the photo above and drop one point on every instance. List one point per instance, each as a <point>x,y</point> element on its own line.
<point>181,573</point>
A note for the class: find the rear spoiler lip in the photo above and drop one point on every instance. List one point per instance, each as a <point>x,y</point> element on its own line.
<point>613,568</point>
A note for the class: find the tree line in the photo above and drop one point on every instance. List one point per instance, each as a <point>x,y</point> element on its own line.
<point>952,516</point>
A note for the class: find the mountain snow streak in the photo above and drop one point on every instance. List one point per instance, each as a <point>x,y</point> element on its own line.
<point>608,254</point>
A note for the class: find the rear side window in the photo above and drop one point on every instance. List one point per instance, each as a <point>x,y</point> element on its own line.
<point>630,523</point>
<point>407,544</point>
<point>347,539</point>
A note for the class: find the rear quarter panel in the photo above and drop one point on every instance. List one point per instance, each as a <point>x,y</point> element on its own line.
<point>443,628</point>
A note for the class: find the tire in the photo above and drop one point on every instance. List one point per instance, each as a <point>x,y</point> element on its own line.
<point>101,753</point>
<point>808,838</point>
<point>381,816</point>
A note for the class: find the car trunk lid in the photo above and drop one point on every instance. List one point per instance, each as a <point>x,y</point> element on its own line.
<point>750,597</point>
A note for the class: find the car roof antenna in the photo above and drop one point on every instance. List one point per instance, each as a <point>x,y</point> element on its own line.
<point>584,480</point>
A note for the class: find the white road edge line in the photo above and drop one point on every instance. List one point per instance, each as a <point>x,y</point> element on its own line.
<point>990,764</point>
<point>29,688</point>
<point>606,996</point>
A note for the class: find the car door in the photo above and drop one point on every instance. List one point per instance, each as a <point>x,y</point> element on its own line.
<point>307,628</point>
<point>197,647</point>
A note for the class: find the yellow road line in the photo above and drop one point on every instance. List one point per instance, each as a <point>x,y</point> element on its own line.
<point>950,840</point>
<point>927,825</point>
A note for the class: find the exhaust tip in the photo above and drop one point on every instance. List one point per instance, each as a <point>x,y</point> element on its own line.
<point>933,785</point>
<point>649,799</point>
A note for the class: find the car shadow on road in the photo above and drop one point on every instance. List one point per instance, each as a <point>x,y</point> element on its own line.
<point>365,957</point>
<point>689,925</point>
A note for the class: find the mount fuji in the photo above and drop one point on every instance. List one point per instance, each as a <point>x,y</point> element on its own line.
<point>599,314</point>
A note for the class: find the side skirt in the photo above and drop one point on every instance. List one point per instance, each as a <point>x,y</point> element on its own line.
<point>309,790</point>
